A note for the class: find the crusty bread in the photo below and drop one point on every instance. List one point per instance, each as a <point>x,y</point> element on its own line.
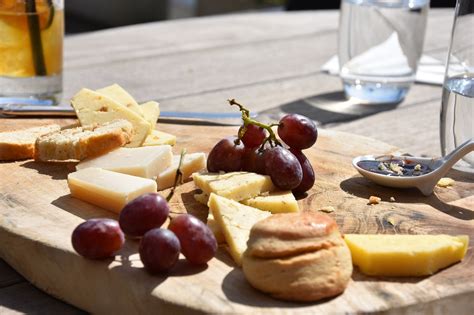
<point>20,144</point>
<point>297,257</point>
<point>82,142</point>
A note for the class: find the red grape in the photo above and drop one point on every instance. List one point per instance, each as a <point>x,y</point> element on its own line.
<point>198,243</point>
<point>297,131</point>
<point>253,136</point>
<point>225,156</point>
<point>97,238</point>
<point>143,213</point>
<point>308,173</point>
<point>159,250</point>
<point>252,161</point>
<point>283,168</point>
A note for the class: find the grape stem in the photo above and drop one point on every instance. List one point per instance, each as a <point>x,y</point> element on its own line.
<point>179,176</point>
<point>272,139</point>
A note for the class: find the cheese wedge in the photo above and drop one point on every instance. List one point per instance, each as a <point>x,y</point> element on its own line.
<point>107,189</point>
<point>405,255</point>
<point>94,108</point>
<point>214,227</point>
<point>151,112</point>
<point>118,94</point>
<point>275,202</point>
<point>159,138</point>
<point>146,162</point>
<point>233,185</point>
<point>235,221</point>
<point>192,162</point>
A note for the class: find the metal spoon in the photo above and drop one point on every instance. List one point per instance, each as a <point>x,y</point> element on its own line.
<point>426,182</point>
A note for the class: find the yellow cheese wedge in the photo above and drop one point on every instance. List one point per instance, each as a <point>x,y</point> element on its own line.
<point>235,221</point>
<point>146,162</point>
<point>192,162</point>
<point>151,112</point>
<point>94,108</point>
<point>214,227</point>
<point>233,185</point>
<point>157,137</point>
<point>107,189</point>
<point>405,255</point>
<point>275,202</point>
<point>118,94</point>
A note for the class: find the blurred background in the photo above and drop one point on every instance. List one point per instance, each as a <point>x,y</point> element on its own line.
<point>90,15</point>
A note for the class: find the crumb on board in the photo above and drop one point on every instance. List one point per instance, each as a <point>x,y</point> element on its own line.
<point>392,199</point>
<point>327,209</point>
<point>392,221</point>
<point>374,200</point>
<point>445,182</point>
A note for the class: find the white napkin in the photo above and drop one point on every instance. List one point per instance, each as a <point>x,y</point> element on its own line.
<point>430,70</point>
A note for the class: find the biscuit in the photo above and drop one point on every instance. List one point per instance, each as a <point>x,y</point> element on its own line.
<point>297,257</point>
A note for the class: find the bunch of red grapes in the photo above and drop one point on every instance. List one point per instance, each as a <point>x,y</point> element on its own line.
<point>256,149</point>
<point>159,248</point>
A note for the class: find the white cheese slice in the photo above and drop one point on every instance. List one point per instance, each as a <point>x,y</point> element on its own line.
<point>107,189</point>
<point>94,108</point>
<point>151,112</point>
<point>146,162</point>
<point>192,162</point>
<point>235,221</point>
<point>157,137</point>
<point>275,202</point>
<point>233,185</point>
<point>118,94</point>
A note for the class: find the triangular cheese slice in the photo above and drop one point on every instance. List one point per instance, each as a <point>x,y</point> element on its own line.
<point>118,94</point>
<point>151,112</point>
<point>94,108</point>
<point>157,137</point>
<point>233,185</point>
<point>275,202</point>
<point>235,220</point>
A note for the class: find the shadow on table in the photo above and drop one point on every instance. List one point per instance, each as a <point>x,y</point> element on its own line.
<point>442,199</point>
<point>331,107</point>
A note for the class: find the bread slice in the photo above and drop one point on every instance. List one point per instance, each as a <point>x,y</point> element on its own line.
<point>83,142</point>
<point>20,144</point>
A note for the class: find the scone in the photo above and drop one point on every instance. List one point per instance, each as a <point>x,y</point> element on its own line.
<point>297,257</point>
<point>83,142</point>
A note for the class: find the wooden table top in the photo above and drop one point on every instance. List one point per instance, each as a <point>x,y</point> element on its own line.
<point>269,61</point>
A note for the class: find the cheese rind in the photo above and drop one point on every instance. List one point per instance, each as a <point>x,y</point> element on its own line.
<point>151,112</point>
<point>118,94</point>
<point>94,108</point>
<point>147,162</point>
<point>275,202</point>
<point>233,185</point>
<point>107,189</point>
<point>405,255</point>
<point>235,221</point>
<point>192,162</point>
<point>157,137</point>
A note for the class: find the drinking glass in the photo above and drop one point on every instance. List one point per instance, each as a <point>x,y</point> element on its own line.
<point>457,106</point>
<point>380,45</point>
<point>31,51</point>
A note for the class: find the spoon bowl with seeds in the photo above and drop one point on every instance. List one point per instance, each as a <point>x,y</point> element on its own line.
<point>409,171</point>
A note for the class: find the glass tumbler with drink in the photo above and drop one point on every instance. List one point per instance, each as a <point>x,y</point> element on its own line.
<point>380,45</point>
<point>457,108</point>
<point>31,49</point>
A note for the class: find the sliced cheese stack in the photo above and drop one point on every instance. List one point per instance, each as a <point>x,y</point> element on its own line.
<point>107,189</point>
<point>146,162</point>
<point>405,255</point>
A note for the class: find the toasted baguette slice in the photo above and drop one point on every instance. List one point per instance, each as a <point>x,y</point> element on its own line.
<point>83,142</point>
<point>20,144</point>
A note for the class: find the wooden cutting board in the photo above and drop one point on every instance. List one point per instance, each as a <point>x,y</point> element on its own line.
<point>37,216</point>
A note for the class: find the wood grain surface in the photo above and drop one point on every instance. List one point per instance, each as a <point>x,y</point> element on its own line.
<point>37,216</point>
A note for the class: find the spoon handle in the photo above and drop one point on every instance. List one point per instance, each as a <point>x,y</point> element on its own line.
<point>458,153</point>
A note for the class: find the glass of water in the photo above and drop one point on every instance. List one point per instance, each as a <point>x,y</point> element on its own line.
<point>31,51</point>
<point>380,45</point>
<point>457,107</point>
